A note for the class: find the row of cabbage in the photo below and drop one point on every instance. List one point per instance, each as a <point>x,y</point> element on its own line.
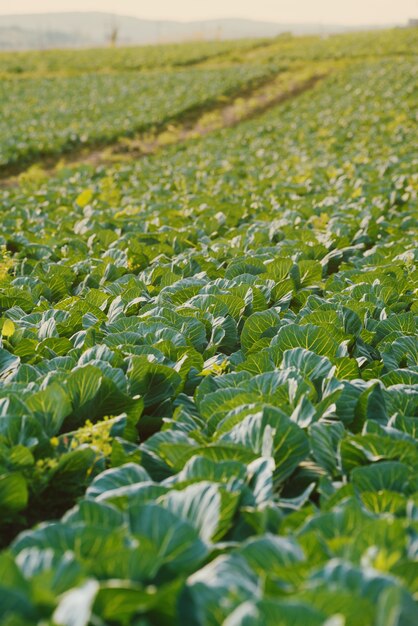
<point>356,45</point>
<point>229,332</point>
<point>48,116</point>
<point>120,59</point>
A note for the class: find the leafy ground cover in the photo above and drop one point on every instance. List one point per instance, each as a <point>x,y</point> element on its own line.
<point>208,374</point>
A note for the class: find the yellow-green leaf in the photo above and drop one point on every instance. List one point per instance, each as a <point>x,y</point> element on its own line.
<point>84,198</point>
<point>8,328</point>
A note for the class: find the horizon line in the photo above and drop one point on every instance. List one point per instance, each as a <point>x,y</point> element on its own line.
<point>208,19</point>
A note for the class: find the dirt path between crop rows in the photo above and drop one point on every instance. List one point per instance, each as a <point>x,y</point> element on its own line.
<point>249,104</point>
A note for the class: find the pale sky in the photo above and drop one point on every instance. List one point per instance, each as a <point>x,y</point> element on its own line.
<point>317,11</point>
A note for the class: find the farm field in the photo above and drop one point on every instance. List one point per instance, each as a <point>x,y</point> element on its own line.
<point>48,98</point>
<point>126,103</point>
<point>133,58</point>
<point>209,355</point>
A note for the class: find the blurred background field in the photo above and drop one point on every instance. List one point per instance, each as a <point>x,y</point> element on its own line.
<point>54,102</point>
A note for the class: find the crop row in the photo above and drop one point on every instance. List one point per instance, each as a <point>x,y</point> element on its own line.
<point>356,45</point>
<point>106,60</point>
<point>247,307</point>
<point>44,116</point>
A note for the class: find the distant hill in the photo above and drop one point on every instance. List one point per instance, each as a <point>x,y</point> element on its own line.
<point>17,38</point>
<point>51,30</point>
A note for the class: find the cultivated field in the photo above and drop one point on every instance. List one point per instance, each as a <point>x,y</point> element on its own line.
<point>209,350</point>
